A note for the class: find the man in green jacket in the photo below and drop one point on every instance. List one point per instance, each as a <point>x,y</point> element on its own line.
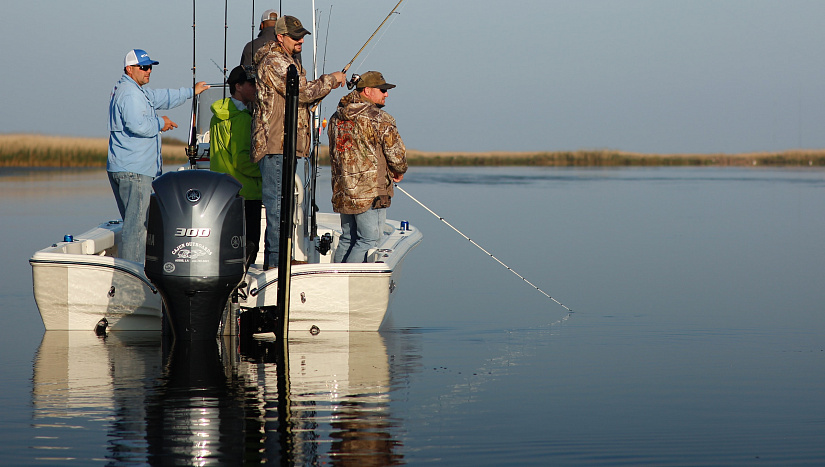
<point>230,137</point>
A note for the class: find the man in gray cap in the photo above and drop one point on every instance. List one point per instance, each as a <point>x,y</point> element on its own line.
<point>273,60</point>
<point>366,157</point>
<point>266,34</point>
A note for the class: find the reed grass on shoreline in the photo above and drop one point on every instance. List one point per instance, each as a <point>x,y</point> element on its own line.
<point>609,158</point>
<point>31,150</point>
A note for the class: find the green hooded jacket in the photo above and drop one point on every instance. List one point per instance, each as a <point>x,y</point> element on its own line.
<point>230,136</point>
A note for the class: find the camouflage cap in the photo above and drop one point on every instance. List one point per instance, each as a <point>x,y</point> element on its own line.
<point>290,26</point>
<point>240,75</point>
<point>373,79</point>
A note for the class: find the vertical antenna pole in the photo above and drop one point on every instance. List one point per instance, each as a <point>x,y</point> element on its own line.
<point>287,200</point>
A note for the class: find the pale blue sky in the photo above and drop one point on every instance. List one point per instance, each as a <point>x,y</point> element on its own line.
<point>657,76</point>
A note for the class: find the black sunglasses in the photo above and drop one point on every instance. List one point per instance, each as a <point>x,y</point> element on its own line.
<point>145,67</point>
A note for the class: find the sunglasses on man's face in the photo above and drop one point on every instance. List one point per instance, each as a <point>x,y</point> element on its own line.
<point>145,67</point>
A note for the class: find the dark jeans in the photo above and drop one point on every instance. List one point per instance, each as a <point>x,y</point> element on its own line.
<point>252,209</point>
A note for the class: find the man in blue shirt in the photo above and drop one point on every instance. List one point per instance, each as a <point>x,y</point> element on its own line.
<point>134,145</point>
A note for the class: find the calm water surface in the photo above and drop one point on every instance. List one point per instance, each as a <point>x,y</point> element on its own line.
<point>697,335</point>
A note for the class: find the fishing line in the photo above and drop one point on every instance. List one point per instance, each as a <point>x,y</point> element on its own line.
<point>351,84</point>
<point>481,248</point>
<point>220,70</point>
<point>324,63</point>
<point>373,35</point>
<point>369,52</point>
<point>326,41</point>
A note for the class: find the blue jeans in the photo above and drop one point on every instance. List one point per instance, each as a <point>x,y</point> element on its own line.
<point>272,168</point>
<point>132,193</point>
<point>359,233</point>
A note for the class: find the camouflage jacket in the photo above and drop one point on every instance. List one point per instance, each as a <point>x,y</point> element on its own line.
<point>268,121</point>
<point>364,148</point>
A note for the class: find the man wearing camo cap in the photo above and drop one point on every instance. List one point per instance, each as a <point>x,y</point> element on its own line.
<point>366,157</point>
<point>273,60</point>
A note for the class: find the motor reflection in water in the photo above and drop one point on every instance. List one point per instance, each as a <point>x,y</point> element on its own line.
<point>218,402</point>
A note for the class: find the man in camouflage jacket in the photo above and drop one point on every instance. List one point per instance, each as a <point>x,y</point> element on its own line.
<point>273,60</point>
<point>367,156</point>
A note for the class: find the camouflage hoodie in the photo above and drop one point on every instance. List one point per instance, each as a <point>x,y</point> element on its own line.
<point>268,121</point>
<point>364,148</point>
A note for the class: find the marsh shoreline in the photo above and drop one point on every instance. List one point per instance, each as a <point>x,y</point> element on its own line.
<point>32,150</point>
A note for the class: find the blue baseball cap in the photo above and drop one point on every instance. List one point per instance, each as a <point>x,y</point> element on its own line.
<point>138,57</point>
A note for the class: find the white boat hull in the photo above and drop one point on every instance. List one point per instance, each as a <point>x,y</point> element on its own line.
<point>78,283</point>
<point>338,296</point>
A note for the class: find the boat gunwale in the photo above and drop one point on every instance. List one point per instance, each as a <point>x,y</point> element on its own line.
<point>87,261</point>
<point>366,269</point>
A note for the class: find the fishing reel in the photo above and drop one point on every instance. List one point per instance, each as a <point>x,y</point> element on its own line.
<point>353,81</point>
<point>324,244</point>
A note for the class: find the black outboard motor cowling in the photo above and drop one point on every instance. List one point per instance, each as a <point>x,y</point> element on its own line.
<point>195,248</point>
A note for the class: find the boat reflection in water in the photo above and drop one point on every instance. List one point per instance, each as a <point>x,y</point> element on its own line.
<point>217,402</point>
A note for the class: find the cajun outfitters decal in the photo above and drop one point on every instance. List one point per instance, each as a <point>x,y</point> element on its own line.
<point>191,252</point>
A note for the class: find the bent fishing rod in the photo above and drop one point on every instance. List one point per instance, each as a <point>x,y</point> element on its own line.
<point>351,83</point>
<point>482,249</point>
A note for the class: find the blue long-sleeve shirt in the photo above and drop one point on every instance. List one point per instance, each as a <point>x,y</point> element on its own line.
<point>134,126</point>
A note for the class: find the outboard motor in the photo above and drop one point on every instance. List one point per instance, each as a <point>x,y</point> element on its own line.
<point>195,248</point>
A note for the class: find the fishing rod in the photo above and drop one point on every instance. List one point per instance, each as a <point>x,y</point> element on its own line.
<point>225,31</point>
<point>316,125</point>
<point>351,84</point>
<point>192,148</point>
<point>326,41</point>
<point>481,248</point>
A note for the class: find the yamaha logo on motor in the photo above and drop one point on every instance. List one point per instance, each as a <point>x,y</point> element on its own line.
<point>193,195</point>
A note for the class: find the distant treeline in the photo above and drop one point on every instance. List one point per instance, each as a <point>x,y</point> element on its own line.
<point>27,150</point>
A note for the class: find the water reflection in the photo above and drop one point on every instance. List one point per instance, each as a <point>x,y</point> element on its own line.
<point>220,402</point>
